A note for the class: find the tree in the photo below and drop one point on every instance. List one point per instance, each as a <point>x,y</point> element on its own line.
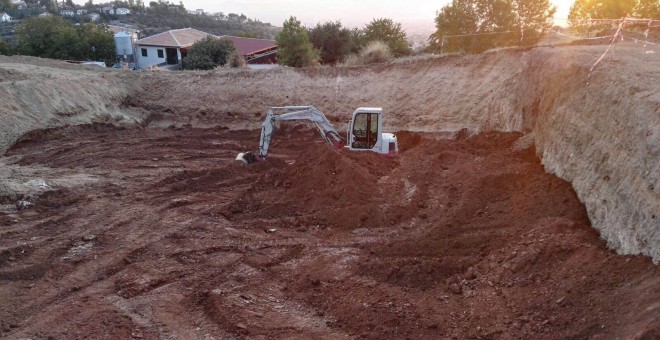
<point>50,5</point>
<point>601,9</point>
<point>294,47</point>
<point>37,36</point>
<point>463,18</point>
<point>332,40</point>
<point>55,37</point>
<point>358,40</point>
<point>208,54</point>
<point>649,9</point>
<point>96,43</point>
<point>474,26</point>
<point>533,18</point>
<point>5,48</point>
<point>390,33</point>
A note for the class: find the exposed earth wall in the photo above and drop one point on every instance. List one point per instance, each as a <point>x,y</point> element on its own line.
<point>601,133</point>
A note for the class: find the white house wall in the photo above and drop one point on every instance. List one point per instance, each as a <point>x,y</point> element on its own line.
<point>152,56</point>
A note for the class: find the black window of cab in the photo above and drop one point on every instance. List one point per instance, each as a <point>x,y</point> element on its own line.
<point>365,130</point>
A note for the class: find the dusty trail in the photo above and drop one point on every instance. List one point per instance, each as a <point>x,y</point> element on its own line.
<point>155,233</point>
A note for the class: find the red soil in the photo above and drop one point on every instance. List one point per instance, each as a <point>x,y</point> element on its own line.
<point>454,238</point>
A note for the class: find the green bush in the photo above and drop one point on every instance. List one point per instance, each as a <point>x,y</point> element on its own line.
<point>5,48</point>
<point>390,33</point>
<point>208,54</point>
<point>332,40</point>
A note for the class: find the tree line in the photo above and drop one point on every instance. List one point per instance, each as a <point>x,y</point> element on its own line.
<point>331,43</point>
<point>469,26</point>
<point>57,38</point>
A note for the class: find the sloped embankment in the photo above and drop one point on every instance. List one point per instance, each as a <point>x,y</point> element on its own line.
<point>604,137</point>
<point>39,93</point>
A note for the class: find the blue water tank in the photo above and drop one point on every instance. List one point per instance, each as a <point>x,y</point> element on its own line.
<point>123,44</point>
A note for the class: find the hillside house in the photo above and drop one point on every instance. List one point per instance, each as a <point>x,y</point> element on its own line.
<point>108,10</point>
<point>94,17</point>
<point>122,11</point>
<point>169,48</point>
<point>67,13</point>
<point>255,51</point>
<point>81,11</point>
<point>4,17</point>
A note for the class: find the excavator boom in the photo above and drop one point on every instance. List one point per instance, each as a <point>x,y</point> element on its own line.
<point>291,113</point>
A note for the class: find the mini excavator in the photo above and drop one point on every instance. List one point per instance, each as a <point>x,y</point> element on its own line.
<point>364,131</point>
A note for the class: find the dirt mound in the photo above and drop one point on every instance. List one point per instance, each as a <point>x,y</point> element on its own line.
<point>326,186</point>
<point>487,194</point>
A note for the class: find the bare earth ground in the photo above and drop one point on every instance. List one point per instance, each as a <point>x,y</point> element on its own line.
<point>156,233</point>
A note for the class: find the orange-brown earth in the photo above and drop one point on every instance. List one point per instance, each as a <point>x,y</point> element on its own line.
<point>463,237</point>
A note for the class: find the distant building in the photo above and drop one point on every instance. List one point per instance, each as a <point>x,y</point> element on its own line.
<point>81,11</point>
<point>45,14</point>
<point>94,17</point>
<point>4,17</point>
<point>67,13</point>
<point>122,11</point>
<point>108,10</point>
<point>169,48</point>
<point>255,51</point>
<point>199,12</point>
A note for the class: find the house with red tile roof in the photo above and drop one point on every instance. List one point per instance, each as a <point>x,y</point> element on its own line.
<point>255,51</point>
<point>169,48</point>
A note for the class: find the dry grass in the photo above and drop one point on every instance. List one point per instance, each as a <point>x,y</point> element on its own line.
<point>352,60</point>
<point>374,52</point>
<point>237,60</point>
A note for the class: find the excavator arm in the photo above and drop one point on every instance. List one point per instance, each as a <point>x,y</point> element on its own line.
<point>289,113</point>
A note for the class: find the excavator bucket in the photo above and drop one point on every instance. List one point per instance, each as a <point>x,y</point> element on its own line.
<point>246,157</point>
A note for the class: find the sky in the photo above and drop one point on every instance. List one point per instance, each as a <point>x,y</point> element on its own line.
<point>415,16</point>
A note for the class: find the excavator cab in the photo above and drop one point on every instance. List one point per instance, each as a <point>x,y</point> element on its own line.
<point>364,132</point>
